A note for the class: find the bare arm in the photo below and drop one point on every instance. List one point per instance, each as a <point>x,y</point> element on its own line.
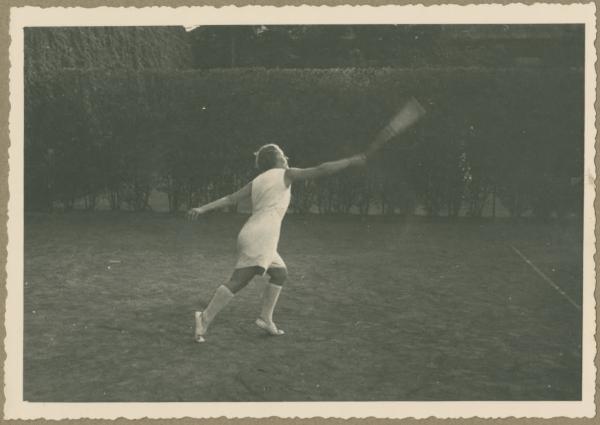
<point>324,169</point>
<point>223,202</point>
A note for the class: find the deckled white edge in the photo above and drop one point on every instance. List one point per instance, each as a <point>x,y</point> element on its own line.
<point>15,408</point>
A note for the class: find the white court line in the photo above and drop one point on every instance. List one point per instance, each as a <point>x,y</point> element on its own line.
<point>547,279</point>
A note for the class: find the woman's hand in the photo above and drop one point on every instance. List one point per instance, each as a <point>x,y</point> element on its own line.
<point>361,159</point>
<point>225,201</point>
<point>195,212</point>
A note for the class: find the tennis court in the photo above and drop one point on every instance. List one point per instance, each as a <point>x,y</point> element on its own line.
<point>375,308</point>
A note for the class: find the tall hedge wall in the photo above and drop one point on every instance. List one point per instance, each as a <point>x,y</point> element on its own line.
<point>517,133</point>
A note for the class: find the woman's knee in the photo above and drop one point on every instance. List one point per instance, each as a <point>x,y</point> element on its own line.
<point>241,277</point>
<point>235,285</point>
<point>278,276</point>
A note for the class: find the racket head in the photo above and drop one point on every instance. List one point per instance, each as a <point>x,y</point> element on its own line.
<point>409,113</point>
<point>406,116</point>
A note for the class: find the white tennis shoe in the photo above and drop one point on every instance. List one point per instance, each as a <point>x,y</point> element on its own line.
<point>270,328</point>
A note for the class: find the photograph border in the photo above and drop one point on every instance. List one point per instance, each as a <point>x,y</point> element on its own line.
<point>22,15</point>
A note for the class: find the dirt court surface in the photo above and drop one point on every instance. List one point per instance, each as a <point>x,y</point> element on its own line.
<point>374,309</point>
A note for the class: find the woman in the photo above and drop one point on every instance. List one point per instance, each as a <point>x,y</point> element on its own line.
<point>258,239</point>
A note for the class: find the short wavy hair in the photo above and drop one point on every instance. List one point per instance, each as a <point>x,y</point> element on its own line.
<point>266,157</point>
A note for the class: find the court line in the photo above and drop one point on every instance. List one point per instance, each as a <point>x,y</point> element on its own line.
<point>546,278</point>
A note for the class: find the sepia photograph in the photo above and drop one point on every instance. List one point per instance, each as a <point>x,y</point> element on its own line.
<point>308,212</point>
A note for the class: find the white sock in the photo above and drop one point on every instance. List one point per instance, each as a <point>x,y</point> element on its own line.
<point>270,297</point>
<point>219,300</point>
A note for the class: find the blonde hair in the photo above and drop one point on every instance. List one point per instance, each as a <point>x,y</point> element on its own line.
<point>265,156</point>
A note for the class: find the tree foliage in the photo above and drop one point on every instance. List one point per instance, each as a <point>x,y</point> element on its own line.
<point>406,46</point>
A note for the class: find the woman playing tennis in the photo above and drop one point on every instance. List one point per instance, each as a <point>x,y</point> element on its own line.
<point>270,195</point>
<point>257,241</point>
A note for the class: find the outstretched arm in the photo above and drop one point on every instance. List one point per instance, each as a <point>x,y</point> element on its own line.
<point>225,201</point>
<point>324,169</point>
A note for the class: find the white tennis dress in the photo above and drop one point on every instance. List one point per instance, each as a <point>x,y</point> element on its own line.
<point>258,239</point>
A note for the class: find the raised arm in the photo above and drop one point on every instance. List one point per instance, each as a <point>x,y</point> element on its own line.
<point>223,202</point>
<point>324,169</point>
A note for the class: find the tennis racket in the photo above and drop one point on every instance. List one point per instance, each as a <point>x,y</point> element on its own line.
<point>410,112</point>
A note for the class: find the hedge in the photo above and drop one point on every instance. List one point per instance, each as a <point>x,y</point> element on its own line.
<point>514,132</point>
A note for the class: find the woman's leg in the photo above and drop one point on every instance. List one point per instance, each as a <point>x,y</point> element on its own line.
<point>224,293</point>
<point>270,296</point>
<point>242,277</point>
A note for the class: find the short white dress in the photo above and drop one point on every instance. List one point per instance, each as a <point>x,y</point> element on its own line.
<point>258,239</point>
